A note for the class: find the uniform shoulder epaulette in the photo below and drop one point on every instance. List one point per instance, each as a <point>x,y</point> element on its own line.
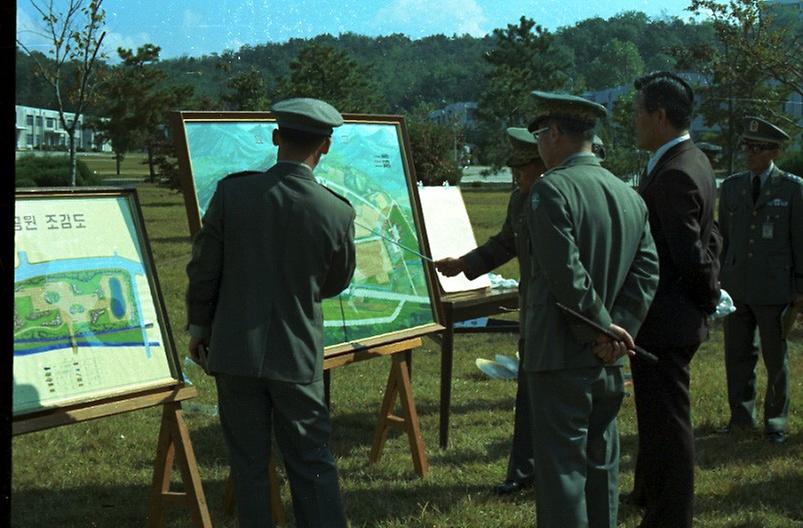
<point>733,177</point>
<point>241,174</point>
<point>340,196</point>
<point>793,177</point>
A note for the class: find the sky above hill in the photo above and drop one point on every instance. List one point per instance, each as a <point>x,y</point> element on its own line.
<point>200,27</point>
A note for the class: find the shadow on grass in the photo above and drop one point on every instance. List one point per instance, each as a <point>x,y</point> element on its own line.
<point>783,493</point>
<point>172,240</point>
<point>371,506</point>
<point>714,450</point>
<point>120,506</point>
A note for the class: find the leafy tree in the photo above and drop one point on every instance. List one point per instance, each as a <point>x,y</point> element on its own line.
<point>522,60</point>
<point>76,36</point>
<point>618,63</point>
<point>769,38</point>
<point>734,83</point>
<point>247,91</point>
<point>330,74</point>
<point>137,104</point>
<point>623,159</point>
<point>433,148</point>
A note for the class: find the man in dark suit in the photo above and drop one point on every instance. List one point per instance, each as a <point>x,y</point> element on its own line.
<point>511,241</point>
<point>761,214</point>
<point>590,250</point>
<point>678,187</point>
<point>273,244</point>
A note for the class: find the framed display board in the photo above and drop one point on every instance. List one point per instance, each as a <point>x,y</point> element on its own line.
<point>89,320</point>
<point>393,293</point>
<point>450,234</point>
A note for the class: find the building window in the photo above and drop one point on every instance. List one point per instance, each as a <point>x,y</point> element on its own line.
<point>29,120</point>
<point>39,121</point>
<point>50,122</point>
<point>29,139</point>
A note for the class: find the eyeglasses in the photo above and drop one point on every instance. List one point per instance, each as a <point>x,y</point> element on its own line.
<point>757,147</point>
<point>540,131</point>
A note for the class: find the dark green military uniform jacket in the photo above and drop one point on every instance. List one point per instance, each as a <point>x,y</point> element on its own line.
<point>511,241</point>
<point>592,251</point>
<point>272,246</point>
<point>762,257</point>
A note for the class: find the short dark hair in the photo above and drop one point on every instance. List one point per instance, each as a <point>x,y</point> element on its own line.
<point>668,91</point>
<point>576,129</point>
<point>301,139</point>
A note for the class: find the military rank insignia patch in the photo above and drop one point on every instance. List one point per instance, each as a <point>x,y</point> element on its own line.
<point>535,199</point>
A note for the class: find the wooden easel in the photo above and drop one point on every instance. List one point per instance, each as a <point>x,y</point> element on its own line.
<point>398,385</point>
<point>174,446</point>
<point>462,307</point>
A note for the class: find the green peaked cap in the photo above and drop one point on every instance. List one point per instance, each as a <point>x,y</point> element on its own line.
<point>307,115</point>
<point>525,147</point>
<point>550,104</point>
<point>757,129</point>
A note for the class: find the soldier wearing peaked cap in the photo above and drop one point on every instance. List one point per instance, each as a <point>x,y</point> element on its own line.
<point>591,250</point>
<point>761,213</point>
<point>511,241</point>
<point>272,245</point>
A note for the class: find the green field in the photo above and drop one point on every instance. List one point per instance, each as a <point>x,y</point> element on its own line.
<point>98,473</point>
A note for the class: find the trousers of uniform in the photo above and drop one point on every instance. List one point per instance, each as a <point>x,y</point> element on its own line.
<point>576,446</point>
<point>664,474</point>
<point>741,357</point>
<point>249,409</point>
<point>521,466</point>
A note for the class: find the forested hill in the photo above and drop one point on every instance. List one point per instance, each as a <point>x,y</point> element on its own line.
<point>435,70</point>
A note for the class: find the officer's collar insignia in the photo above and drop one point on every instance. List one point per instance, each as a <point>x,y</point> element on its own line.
<point>753,126</point>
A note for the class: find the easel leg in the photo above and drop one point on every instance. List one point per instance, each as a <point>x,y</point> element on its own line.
<point>399,383</point>
<point>174,445</point>
<point>447,352</point>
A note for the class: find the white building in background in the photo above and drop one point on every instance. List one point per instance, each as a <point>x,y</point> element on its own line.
<point>40,129</point>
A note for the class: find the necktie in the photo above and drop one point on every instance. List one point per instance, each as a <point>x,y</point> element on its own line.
<point>756,187</point>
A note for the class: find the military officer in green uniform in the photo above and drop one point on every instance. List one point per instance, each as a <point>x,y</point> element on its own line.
<point>272,245</point>
<point>511,241</point>
<point>591,250</point>
<point>761,214</point>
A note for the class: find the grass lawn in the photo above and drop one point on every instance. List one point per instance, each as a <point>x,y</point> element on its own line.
<point>134,165</point>
<point>98,473</point>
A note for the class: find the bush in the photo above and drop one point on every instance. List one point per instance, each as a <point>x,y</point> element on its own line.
<point>51,171</point>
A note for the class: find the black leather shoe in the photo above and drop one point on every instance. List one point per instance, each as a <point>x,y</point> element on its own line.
<point>776,437</point>
<point>509,487</point>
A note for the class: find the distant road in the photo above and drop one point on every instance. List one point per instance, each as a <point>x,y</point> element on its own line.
<point>472,174</point>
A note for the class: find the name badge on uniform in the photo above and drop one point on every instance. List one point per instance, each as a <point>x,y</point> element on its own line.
<point>767,230</point>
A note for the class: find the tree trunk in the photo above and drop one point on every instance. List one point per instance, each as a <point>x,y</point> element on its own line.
<point>118,158</point>
<point>71,147</point>
<point>151,163</point>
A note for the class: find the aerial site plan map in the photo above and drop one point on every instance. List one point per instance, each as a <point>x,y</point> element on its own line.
<point>85,322</point>
<point>390,291</point>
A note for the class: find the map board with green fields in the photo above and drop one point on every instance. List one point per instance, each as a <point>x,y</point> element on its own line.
<point>87,322</point>
<point>391,292</point>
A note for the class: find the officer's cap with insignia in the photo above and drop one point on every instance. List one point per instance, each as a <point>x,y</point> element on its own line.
<point>567,106</point>
<point>525,147</point>
<point>762,131</point>
<point>304,114</point>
